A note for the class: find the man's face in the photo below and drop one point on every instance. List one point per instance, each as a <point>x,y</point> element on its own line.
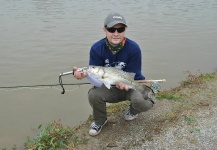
<point>115,38</point>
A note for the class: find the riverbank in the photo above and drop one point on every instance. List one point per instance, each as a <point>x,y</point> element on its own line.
<point>184,118</point>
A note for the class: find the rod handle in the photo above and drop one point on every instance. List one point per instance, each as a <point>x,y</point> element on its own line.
<point>150,81</point>
<point>67,73</point>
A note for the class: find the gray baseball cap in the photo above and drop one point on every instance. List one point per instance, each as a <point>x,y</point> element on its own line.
<point>113,19</point>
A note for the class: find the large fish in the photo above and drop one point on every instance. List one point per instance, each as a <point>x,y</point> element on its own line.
<point>110,75</point>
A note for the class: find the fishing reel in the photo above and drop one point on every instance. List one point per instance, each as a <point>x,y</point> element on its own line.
<point>155,86</point>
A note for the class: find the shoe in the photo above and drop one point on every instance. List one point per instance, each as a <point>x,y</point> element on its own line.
<point>95,129</point>
<point>129,116</point>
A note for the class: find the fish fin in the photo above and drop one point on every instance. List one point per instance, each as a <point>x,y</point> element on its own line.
<point>129,75</point>
<point>107,85</point>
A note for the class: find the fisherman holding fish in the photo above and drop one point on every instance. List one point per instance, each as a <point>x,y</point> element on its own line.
<point>115,62</point>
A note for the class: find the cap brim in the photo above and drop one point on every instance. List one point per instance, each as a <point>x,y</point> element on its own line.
<point>114,23</point>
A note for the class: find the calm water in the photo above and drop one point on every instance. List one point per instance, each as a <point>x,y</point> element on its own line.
<point>39,39</point>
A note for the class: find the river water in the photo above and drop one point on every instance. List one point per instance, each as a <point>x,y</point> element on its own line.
<point>39,39</point>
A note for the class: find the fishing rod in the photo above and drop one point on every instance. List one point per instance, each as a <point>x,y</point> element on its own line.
<point>150,81</point>
<point>154,83</point>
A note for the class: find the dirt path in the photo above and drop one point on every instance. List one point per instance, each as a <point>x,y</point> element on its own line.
<point>190,123</point>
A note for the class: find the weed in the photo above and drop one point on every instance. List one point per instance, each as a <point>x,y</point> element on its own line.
<point>194,80</point>
<point>171,116</point>
<point>197,129</point>
<point>13,148</point>
<point>190,119</point>
<point>191,81</point>
<point>53,136</point>
<point>182,107</point>
<point>208,76</point>
<point>118,107</point>
<point>168,95</point>
<point>194,130</point>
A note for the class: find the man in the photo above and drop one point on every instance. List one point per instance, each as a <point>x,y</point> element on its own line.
<point>115,50</point>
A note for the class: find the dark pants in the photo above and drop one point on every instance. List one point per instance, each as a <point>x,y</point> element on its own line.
<point>98,97</point>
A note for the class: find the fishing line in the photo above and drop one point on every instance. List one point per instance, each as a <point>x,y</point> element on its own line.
<point>35,87</point>
<point>39,85</point>
<point>47,85</point>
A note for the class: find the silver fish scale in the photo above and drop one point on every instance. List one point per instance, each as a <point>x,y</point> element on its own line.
<point>120,73</point>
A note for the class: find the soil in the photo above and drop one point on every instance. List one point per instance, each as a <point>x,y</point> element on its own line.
<point>190,123</point>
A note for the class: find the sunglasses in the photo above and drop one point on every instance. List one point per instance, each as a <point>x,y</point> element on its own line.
<point>112,30</point>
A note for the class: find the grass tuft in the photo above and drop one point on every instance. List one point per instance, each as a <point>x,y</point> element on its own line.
<point>190,119</point>
<point>118,107</point>
<point>168,95</point>
<point>53,136</point>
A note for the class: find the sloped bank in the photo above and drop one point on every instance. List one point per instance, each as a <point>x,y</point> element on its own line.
<point>188,122</point>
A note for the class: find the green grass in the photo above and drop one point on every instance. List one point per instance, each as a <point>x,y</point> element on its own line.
<point>53,136</point>
<point>196,79</point>
<point>190,119</point>
<point>118,107</point>
<point>191,81</point>
<point>168,95</point>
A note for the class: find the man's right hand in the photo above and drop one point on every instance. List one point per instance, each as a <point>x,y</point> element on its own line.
<point>122,86</point>
<point>79,74</point>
